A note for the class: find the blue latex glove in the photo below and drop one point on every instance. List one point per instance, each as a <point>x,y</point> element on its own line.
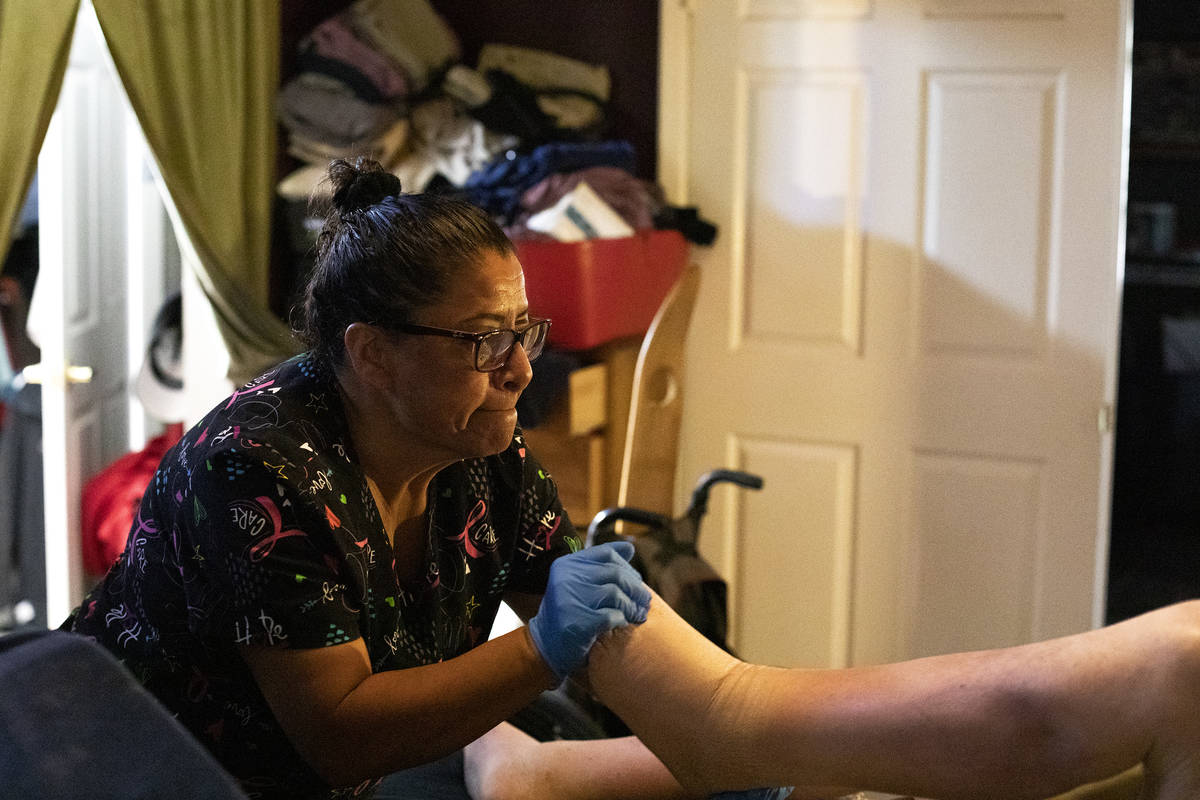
<point>589,593</point>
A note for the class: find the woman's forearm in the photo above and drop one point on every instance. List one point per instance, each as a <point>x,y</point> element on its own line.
<point>434,710</point>
<point>352,725</point>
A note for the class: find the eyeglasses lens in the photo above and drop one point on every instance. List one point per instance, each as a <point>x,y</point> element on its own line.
<point>494,349</point>
<point>534,339</point>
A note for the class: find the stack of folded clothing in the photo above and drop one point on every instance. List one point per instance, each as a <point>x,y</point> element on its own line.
<point>521,133</point>
<point>358,74</point>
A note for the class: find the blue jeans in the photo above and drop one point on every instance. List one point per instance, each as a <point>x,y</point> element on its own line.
<point>441,780</point>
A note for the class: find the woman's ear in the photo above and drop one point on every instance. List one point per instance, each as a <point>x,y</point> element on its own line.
<point>367,353</point>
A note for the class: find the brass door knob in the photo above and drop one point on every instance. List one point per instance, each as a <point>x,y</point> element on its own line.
<point>72,373</point>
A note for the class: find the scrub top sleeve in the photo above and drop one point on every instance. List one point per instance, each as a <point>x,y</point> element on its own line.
<point>271,572</point>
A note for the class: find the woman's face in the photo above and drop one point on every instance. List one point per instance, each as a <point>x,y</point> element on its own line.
<point>441,402</point>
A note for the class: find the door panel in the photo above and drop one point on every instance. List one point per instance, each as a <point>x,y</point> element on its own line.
<point>776,623</point>
<point>986,558</point>
<point>908,322</point>
<point>804,208</point>
<point>987,225</point>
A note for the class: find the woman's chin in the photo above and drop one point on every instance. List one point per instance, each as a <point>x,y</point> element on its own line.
<point>493,431</point>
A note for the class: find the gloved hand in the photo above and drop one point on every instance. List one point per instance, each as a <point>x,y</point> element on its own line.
<point>589,593</point>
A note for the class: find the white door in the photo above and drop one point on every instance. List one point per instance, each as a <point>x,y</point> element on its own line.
<point>83,299</point>
<point>908,322</point>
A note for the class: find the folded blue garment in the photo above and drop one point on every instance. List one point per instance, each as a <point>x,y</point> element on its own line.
<point>498,187</point>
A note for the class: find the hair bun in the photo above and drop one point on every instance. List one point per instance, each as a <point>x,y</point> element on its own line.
<point>361,184</point>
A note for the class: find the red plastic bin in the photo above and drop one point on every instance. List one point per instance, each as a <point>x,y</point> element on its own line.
<point>600,289</point>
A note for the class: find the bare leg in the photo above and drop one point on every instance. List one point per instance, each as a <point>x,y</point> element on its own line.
<point>508,764</point>
<point>1025,722</point>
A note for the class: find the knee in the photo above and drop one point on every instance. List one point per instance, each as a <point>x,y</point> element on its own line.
<point>500,785</point>
<point>504,782</point>
<point>1178,661</point>
<point>1186,624</point>
<point>503,764</point>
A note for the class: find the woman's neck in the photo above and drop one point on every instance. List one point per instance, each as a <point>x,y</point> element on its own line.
<point>397,471</point>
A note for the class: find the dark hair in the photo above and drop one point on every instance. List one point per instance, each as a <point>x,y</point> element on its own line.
<point>382,254</point>
<point>22,261</point>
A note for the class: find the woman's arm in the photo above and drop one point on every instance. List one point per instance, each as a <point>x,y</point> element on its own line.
<point>351,724</point>
<point>1022,722</point>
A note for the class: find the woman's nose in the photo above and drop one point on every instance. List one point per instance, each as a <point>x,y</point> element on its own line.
<point>516,373</point>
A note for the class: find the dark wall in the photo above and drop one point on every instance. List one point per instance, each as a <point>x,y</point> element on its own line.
<point>1166,20</point>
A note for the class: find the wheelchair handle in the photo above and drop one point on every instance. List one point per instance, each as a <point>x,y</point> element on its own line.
<point>610,516</point>
<point>699,504</point>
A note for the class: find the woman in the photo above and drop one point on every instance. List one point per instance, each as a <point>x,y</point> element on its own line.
<point>314,568</point>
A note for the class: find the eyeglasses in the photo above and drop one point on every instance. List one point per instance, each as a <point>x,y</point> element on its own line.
<point>492,348</point>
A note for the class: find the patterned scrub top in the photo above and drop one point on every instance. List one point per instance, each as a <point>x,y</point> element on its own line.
<point>259,527</point>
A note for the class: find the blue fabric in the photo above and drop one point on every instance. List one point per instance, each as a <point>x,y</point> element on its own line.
<point>441,780</point>
<point>755,794</point>
<point>498,187</point>
<point>23,525</point>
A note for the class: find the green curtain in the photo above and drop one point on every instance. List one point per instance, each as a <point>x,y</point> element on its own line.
<point>202,77</point>
<point>35,41</point>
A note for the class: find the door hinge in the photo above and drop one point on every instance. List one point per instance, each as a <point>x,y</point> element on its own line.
<point>1105,418</point>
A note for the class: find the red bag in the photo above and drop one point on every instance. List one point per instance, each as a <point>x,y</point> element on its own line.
<point>111,498</point>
